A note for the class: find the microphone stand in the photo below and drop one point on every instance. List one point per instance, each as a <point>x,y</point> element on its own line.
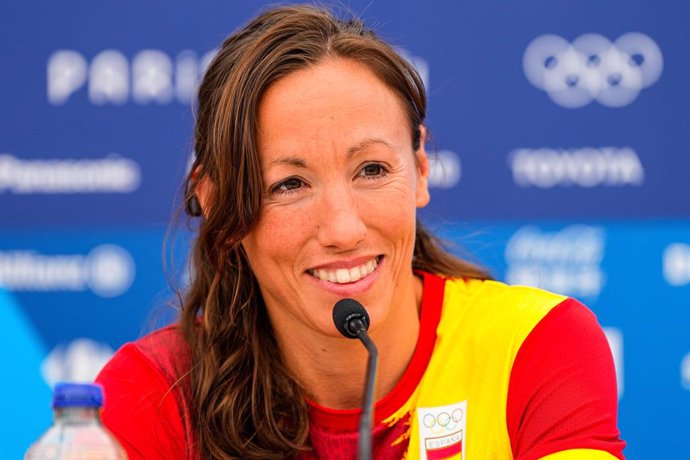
<point>366,421</point>
<point>352,321</point>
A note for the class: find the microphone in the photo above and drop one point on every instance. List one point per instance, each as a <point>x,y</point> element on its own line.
<point>352,321</point>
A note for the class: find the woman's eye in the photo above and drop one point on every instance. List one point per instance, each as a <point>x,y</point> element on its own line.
<point>373,170</point>
<point>287,186</point>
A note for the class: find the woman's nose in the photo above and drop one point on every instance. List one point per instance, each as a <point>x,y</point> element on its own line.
<point>340,222</point>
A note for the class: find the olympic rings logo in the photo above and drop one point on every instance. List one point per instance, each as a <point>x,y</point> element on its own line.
<point>593,68</point>
<point>443,422</point>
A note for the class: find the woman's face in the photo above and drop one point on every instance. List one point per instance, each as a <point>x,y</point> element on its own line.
<point>341,188</point>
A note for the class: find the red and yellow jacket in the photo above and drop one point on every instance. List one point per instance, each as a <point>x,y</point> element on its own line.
<point>499,372</point>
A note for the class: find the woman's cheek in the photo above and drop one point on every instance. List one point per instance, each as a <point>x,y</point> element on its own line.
<point>285,227</point>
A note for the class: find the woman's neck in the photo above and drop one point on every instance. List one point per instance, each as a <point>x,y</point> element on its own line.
<point>332,369</point>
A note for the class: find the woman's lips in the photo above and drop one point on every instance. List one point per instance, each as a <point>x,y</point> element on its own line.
<point>346,275</point>
<point>348,288</point>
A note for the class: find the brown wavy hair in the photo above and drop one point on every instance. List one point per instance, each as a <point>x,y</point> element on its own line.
<point>244,401</point>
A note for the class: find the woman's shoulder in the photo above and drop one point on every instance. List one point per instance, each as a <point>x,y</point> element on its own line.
<point>508,338</point>
<point>166,348</point>
<point>495,309</point>
<point>163,351</point>
<point>144,406</point>
<point>490,297</point>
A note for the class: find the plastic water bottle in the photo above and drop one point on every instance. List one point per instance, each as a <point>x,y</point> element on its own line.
<point>76,433</point>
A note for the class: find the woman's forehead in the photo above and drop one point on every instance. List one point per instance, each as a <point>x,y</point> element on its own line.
<point>335,101</point>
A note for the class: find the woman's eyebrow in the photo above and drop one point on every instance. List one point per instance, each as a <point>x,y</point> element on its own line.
<point>366,143</point>
<point>290,161</point>
<point>298,162</point>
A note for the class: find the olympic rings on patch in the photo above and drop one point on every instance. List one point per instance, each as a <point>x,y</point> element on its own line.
<point>429,420</point>
<point>443,421</point>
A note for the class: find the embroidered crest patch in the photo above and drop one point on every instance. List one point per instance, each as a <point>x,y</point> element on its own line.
<point>442,431</point>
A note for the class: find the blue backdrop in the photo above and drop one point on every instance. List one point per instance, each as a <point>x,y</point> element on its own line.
<point>561,131</point>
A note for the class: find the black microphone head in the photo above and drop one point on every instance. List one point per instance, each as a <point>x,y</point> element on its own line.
<point>349,317</point>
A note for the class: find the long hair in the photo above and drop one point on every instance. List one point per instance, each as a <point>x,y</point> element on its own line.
<point>244,401</point>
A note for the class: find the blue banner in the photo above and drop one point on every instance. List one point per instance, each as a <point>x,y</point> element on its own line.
<point>560,139</point>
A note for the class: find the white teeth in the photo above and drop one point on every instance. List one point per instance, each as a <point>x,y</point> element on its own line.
<point>344,275</point>
<point>371,265</point>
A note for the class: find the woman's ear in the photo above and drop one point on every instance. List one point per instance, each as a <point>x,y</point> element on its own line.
<point>422,187</point>
<point>199,200</point>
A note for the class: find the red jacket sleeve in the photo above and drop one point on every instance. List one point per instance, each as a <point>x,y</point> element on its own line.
<point>562,391</point>
<point>140,408</point>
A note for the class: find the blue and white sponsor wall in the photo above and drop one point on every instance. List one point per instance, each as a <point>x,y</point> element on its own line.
<point>562,133</point>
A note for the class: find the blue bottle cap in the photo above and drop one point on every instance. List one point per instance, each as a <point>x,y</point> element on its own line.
<point>68,394</point>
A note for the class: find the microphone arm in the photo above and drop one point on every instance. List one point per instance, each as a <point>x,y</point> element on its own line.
<point>366,422</point>
<point>352,320</point>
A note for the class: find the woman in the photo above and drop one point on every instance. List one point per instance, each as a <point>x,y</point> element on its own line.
<point>310,167</point>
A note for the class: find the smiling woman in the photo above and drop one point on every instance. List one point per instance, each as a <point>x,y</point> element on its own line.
<point>310,168</point>
<point>340,169</point>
